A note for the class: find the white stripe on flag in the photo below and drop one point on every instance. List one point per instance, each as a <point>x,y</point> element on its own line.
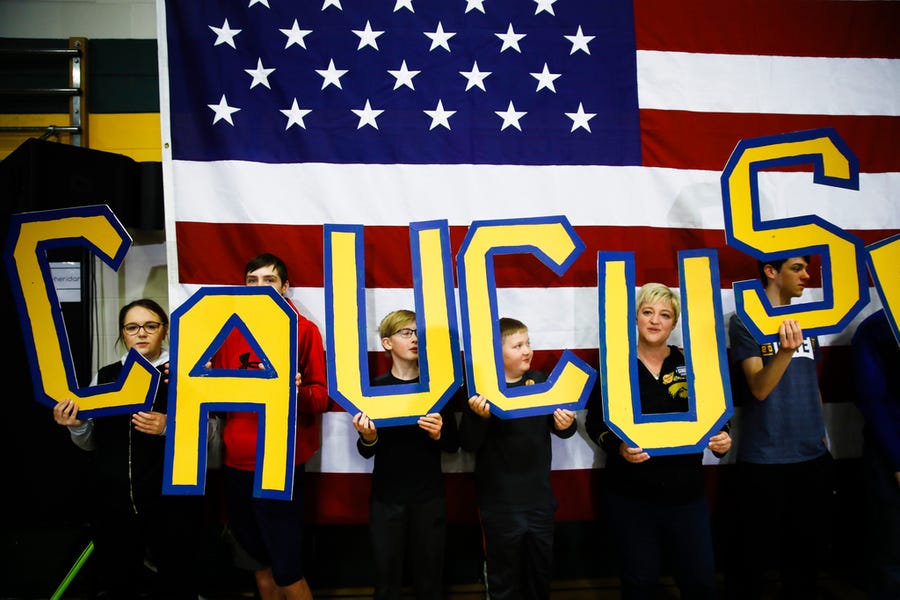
<point>339,455</point>
<point>573,324</point>
<point>768,84</point>
<point>300,194</point>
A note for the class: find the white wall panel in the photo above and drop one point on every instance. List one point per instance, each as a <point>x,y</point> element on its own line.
<point>98,19</point>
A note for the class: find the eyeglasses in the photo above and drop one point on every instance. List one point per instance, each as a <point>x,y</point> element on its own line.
<point>406,333</point>
<point>150,327</point>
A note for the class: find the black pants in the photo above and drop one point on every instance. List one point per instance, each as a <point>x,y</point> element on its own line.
<point>519,552</point>
<point>414,531</point>
<point>783,521</point>
<point>650,535</point>
<point>167,530</point>
<point>883,521</point>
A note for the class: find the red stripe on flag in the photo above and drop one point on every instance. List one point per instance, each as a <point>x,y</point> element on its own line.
<point>388,263</point>
<point>343,498</point>
<point>337,498</point>
<point>691,140</point>
<point>770,27</point>
<point>836,386</point>
<point>215,253</point>
<point>578,493</point>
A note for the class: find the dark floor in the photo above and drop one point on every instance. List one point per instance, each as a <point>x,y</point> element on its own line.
<point>34,564</point>
<point>230,583</point>
<point>39,545</point>
<point>43,534</point>
<point>831,588</point>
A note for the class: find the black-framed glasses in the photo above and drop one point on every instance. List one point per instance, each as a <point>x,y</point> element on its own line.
<point>406,333</point>
<point>150,327</point>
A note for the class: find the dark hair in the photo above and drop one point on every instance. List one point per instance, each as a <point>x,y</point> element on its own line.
<point>151,305</point>
<point>776,264</point>
<point>268,260</point>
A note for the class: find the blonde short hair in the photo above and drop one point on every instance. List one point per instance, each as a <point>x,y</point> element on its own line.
<point>652,293</point>
<point>393,320</point>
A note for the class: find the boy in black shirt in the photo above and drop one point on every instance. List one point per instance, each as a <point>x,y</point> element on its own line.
<point>512,478</point>
<point>408,514</point>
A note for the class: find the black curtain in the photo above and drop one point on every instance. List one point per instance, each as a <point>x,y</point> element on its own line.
<point>47,469</point>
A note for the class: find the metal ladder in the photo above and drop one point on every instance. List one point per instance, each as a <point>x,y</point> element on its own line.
<point>75,56</point>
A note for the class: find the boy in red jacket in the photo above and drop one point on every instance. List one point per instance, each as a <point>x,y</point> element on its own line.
<point>270,530</point>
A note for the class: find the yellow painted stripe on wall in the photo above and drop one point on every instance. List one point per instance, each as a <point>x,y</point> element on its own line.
<point>10,140</point>
<point>135,135</point>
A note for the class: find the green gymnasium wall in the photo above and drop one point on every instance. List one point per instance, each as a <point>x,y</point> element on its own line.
<point>122,95</point>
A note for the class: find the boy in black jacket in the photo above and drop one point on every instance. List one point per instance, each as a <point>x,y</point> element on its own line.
<point>512,478</point>
<point>408,513</point>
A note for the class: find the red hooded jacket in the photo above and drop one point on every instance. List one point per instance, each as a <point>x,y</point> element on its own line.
<point>242,428</point>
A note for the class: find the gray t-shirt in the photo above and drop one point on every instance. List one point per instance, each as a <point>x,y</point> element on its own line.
<point>786,427</point>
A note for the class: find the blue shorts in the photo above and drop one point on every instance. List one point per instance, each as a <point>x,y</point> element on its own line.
<point>269,531</point>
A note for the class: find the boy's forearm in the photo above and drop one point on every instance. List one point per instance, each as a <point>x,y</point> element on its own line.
<point>762,381</point>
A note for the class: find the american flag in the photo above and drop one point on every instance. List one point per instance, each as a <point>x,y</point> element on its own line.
<point>282,116</point>
<point>493,82</point>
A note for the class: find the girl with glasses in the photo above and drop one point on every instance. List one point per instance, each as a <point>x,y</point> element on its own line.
<point>133,521</point>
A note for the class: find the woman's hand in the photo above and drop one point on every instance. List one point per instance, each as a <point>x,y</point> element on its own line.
<point>633,455</point>
<point>720,443</point>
